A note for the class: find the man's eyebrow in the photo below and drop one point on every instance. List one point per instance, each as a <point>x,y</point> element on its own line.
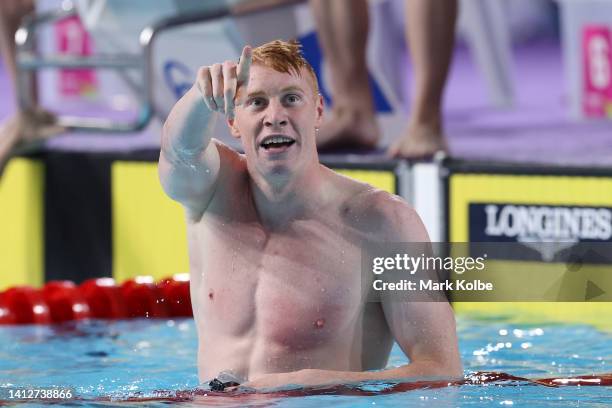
<point>286,89</point>
<point>292,88</point>
<point>255,93</point>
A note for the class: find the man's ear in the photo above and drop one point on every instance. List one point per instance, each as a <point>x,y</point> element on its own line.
<point>231,123</point>
<point>319,111</point>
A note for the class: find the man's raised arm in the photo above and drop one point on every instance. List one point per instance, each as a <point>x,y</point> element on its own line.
<point>189,162</point>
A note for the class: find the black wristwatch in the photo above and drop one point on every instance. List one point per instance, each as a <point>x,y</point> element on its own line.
<point>224,380</point>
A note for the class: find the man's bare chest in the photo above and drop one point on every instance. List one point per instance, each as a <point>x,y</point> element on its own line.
<point>297,285</point>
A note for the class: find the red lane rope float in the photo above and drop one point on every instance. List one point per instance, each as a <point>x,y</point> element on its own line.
<point>143,298</point>
<point>104,298</point>
<point>65,301</point>
<point>6,314</point>
<point>27,305</point>
<point>247,397</point>
<point>175,293</point>
<point>101,298</point>
<point>478,378</point>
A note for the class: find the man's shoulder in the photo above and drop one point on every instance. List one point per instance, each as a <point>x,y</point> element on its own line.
<point>227,153</point>
<point>387,216</point>
<point>388,208</point>
<point>233,167</point>
<point>231,181</point>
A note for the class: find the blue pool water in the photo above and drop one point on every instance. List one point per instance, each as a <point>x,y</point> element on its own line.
<point>125,358</point>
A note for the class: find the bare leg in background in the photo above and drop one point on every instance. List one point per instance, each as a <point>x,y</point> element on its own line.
<point>430,34</point>
<point>343,32</point>
<point>343,29</point>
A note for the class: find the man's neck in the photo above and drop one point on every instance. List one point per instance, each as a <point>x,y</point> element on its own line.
<point>281,199</point>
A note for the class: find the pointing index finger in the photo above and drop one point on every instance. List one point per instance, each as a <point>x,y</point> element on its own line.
<point>244,66</point>
<point>242,74</point>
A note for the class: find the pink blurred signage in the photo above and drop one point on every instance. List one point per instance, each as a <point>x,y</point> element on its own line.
<point>597,69</point>
<point>72,39</point>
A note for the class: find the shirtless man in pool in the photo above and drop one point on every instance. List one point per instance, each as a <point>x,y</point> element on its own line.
<point>275,238</point>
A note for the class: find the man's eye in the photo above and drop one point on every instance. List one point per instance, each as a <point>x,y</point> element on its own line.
<point>292,98</point>
<point>256,102</point>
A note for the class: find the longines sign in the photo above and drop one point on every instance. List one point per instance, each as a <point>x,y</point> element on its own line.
<point>546,229</point>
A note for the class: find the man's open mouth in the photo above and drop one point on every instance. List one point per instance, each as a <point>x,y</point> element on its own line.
<point>276,142</point>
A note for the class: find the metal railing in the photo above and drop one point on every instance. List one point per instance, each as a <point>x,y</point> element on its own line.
<point>28,59</point>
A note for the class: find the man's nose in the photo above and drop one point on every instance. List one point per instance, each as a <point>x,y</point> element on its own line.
<point>276,115</point>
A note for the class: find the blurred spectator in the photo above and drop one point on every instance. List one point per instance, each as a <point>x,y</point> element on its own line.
<point>26,126</point>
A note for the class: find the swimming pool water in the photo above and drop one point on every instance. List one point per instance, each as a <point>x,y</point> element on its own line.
<point>102,358</point>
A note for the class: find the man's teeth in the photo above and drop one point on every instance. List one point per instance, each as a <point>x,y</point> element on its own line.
<point>276,139</point>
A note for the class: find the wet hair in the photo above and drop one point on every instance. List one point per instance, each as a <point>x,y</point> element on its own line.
<point>285,57</point>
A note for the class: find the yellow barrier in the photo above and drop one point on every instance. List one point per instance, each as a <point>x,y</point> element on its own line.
<point>465,189</point>
<point>21,224</point>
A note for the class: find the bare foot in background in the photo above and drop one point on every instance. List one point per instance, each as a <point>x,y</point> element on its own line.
<point>36,125</point>
<point>9,137</point>
<point>348,128</point>
<point>27,130</point>
<point>419,142</point>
